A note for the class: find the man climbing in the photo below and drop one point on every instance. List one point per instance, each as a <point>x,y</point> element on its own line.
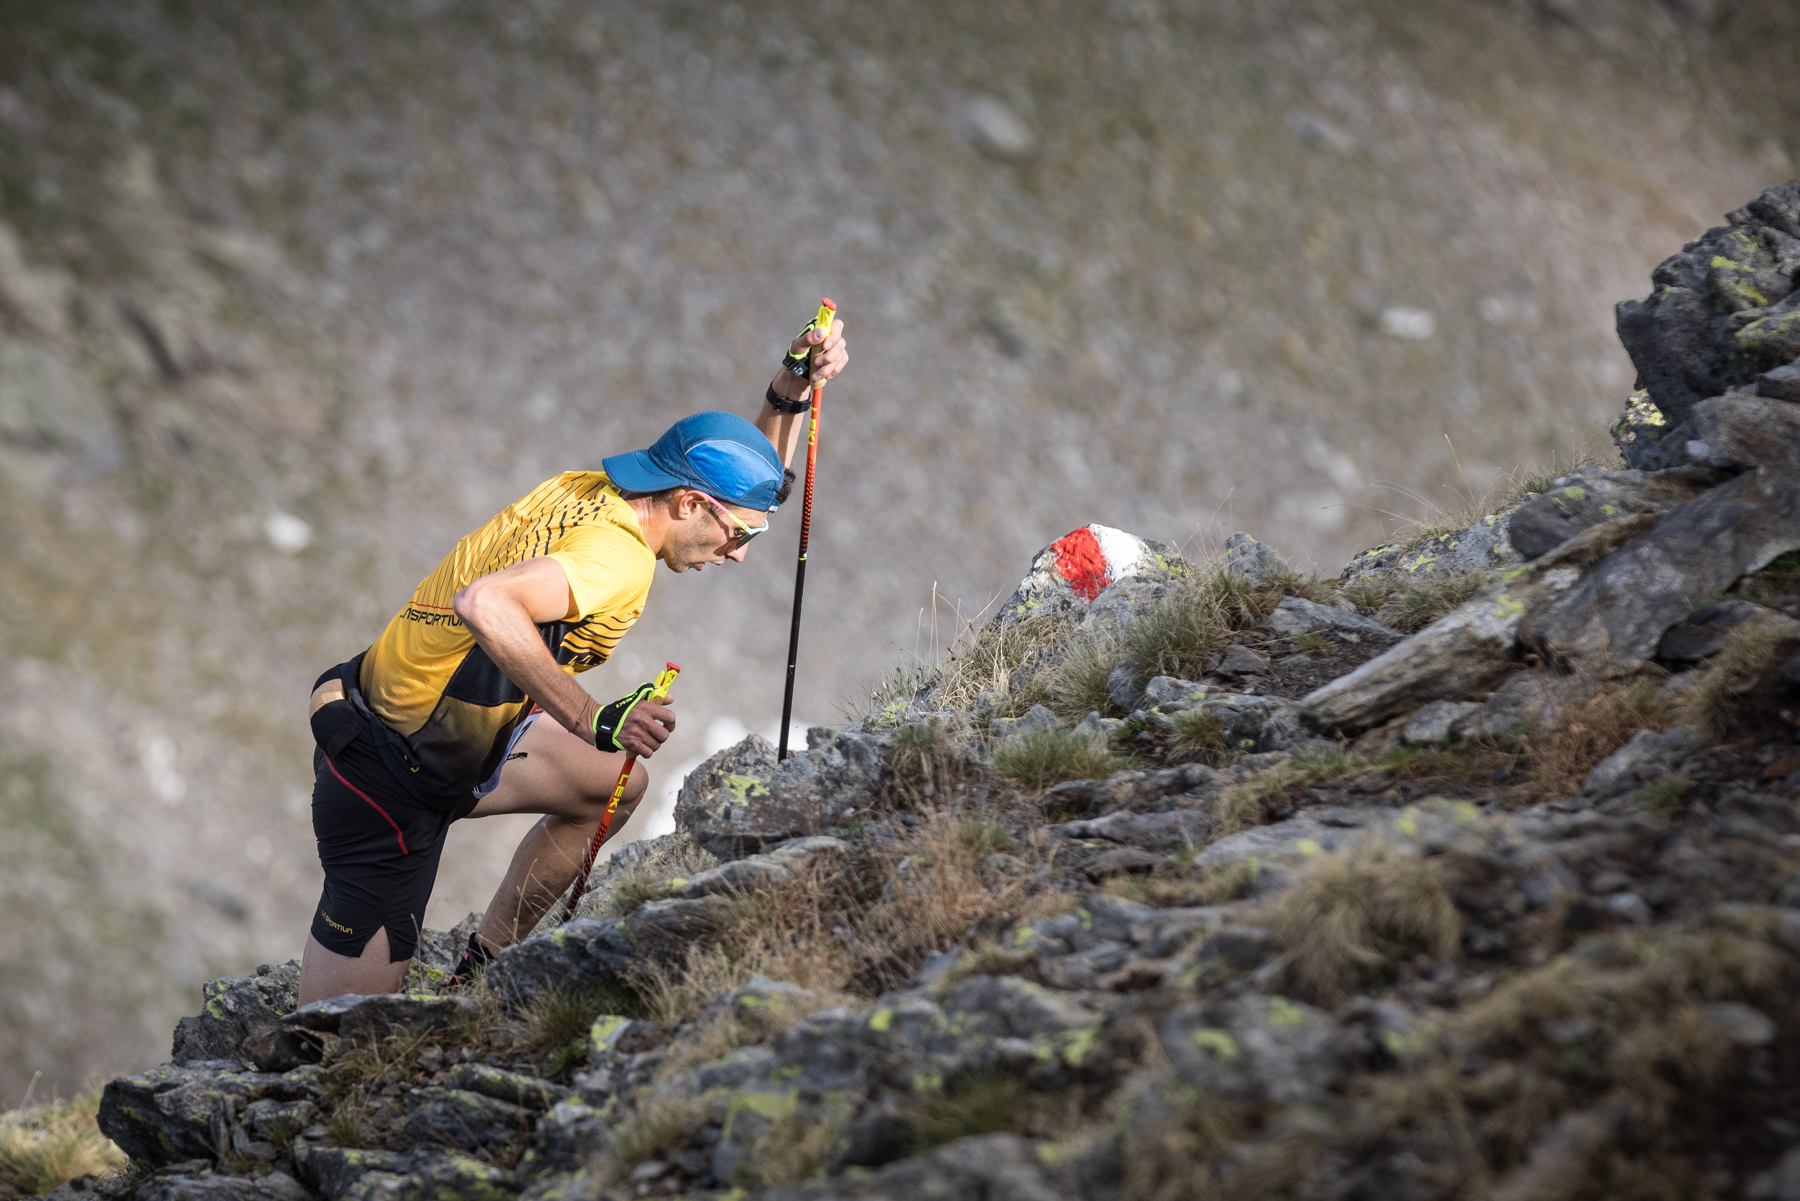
<point>441,718</point>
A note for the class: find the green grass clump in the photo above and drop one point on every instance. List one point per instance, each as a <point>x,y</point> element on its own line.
<point>1665,796</point>
<point>556,1017</point>
<point>1199,738</point>
<point>984,1103</point>
<point>1369,593</point>
<point>1180,633</point>
<point>1078,685</point>
<point>1733,698</point>
<point>1423,601</point>
<point>1039,758</point>
<point>43,1145</point>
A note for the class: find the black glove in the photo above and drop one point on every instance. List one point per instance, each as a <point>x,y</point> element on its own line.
<point>611,718</point>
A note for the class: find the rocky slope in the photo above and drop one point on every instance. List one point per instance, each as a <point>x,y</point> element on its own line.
<point>292,296</point>
<point>1472,872</point>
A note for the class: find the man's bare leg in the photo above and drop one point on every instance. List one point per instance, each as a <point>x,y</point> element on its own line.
<point>568,781</point>
<point>325,973</point>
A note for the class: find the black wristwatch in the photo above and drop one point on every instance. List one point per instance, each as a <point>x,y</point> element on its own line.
<point>782,404</point>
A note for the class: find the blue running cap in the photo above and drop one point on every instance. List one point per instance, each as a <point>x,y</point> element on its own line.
<point>719,453</point>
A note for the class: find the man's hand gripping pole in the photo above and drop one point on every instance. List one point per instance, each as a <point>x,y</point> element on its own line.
<point>659,693</point>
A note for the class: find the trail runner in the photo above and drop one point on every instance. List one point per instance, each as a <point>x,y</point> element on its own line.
<point>467,705</point>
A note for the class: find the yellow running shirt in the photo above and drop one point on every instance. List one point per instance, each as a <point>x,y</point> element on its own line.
<point>426,678</point>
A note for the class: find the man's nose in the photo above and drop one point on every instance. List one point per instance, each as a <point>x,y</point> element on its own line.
<point>736,553</point>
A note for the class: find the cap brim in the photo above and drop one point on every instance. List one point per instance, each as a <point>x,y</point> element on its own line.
<point>634,472</point>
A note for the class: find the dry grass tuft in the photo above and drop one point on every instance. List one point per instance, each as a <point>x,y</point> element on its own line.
<point>43,1145</point>
<point>932,899</point>
<point>1039,758</point>
<point>990,660</point>
<point>1729,702</point>
<point>1585,733</point>
<point>657,1127</point>
<point>1354,912</point>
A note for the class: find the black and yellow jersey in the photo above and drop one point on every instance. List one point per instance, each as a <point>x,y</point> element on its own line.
<point>426,678</point>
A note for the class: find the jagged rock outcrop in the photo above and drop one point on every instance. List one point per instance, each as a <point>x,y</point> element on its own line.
<point>1724,312</point>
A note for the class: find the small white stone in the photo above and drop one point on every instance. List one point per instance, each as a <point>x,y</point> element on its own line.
<point>1415,325</point>
<point>287,533</point>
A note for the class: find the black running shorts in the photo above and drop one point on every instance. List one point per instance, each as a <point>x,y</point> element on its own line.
<point>379,846</point>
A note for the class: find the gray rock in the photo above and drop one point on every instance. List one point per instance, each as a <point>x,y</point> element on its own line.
<point>1575,502</point>
<point>777,868</point>
<point>592,951</point>
<point>1295,616</point>
<point>994,1167</point>
<point>1779,1183</point>
<point>1438,722</point>
<point>1165,832</point>
<point>236,1010</point>
<point>1470,651</point>
<point>513,1087</point>
<point>1124,685</point>
<point>462,1118</point>
<point>1036,718</point>
<point>172,1113</point>
<point>365,1021</point>
<point>210,1186</point>
<point>1240,661</point>
<point>1246,557</point>
<point>1720,314</point>
<point>1710,629</point>
<point>1168,692</point>
<point>1529,702</point>
<point>1647,755</point>
<point>1259,1050</point>
<point>332,1170</point>
<point>1297,837</point>
<point>1483,546</point>
<point>1783,383</point>
<point>1611,620</point>
<point>741,800</point>
<point>1740,1023</point>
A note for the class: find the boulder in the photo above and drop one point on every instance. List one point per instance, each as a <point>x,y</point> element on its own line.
<point>236,1010</point>
<point>1071,573</point>
<point>173,1112</point>
<point>1250,559</point>
<point>1710,629</point>
<point>365,1021</point>
<point>1261,1050</point>
<point>776,869</point>
<point>1481,546</point>
<point>1574,502</point>
<point>1723,312</point>
<point>1611,619</point>
<point>591,952</point>
<point>741,800</point>
<point>1295,616</point>
<point>1439,721</point>
<point>463,1118</point>
<point>1470,651</point>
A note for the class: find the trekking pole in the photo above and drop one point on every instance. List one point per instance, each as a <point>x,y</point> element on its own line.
<point>827,311</point>
<point>663,682</point>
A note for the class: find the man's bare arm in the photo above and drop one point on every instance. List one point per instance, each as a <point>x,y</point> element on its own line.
<point>783,429</point>
<point>503,611</point>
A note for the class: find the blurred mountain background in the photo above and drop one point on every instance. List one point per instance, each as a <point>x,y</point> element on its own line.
<point>292,295</point>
